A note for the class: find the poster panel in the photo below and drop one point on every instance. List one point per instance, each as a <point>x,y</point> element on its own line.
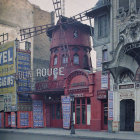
<point>24,70</point>
<point>66,111</point>
<point>104,81</point>
<point>7,68</point>
<point>110,105</point>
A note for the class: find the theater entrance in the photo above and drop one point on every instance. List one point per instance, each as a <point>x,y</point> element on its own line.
<point>127,115</point>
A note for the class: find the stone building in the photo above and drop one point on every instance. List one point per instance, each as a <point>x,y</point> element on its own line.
<point>116,41</point>
<point>16,15</point>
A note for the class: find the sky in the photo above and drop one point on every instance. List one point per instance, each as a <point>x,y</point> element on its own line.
<point>72,7</point>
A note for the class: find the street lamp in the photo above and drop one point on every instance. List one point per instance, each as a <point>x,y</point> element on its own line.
<point>72,122</point>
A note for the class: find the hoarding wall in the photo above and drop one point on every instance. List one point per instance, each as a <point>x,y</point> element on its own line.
<point>7,72</point>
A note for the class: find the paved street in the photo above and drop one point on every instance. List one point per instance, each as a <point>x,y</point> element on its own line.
<point>61,134</point>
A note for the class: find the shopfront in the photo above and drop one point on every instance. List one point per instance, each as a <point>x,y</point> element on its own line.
<point>102,96</point>
<point>80,84</point>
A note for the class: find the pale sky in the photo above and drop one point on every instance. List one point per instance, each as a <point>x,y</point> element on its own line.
<point>72,7</point>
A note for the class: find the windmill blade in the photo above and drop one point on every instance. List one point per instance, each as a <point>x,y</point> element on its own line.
<point>57,7</point>
<point>34,31</point>
<point>82,16</point>
<point>3,38</point>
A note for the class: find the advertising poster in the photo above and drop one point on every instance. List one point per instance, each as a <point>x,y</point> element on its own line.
<point>24,70</point>
<point>38,120</point>
<point>1,102</point>
<point>110,105</point>
<point>13,119</point>
<point>7,68</point>
<point>99,63</point>
<point>24,119</point>
<point>10,102</point>
<point>104,81</point>
<point>66,110</point>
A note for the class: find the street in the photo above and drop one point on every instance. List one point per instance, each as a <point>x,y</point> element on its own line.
<point>62,134</point>
<point>21,136</point>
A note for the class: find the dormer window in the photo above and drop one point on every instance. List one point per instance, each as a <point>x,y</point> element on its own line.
<point>55,61</point>
<point>76,59</point>
<point>86,63</point>
<point>64,59</point>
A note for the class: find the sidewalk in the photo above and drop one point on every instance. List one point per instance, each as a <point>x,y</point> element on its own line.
<point>87,134</point>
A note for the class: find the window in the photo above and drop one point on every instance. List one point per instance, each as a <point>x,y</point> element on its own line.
<point>124,3</point>
<point>105,58</point>
<point>86,63</point>
<point>138,3</point>
<point>102,26</point>
<point>76,59</point>
<point>64,59</point>
<point>55,60</point>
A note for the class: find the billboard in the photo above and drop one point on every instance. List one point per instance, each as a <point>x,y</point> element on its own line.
<point>66,111</point>
<point>7,68</point>
<point>24,70</point>
<point>110,105</point>
<point>104,81</point>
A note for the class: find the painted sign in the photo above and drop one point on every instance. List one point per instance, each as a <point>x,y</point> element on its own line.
<point>66,110</point>
<point>127,86</point>
<point>102,94</point>
<point>7,68</point>
<point>10,102</point>
<point>104,81</point>
<point>23,70</point>
<point>110,105</point>
<point>49,72</point>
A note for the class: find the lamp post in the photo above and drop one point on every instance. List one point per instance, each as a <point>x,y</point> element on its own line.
<point>72,122</point>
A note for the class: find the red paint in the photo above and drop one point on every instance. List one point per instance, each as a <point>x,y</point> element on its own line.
<point>2,119</point>
<point>76,80</point>
<point>19,120</point>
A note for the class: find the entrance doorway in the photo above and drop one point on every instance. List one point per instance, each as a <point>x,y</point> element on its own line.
<point>127,115</point>
<point>82,113</point>
<point>56,115</point>
<point>104,116</point>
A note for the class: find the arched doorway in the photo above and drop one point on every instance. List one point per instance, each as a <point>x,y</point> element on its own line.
<point>127,115</point>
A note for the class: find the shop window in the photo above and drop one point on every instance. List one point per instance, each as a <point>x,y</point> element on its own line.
<point>88,101</point>
<point>76,59</point>
<point>102,26</point>
<point>64,59</point>
<point>86,64</point>
<point>124,4</point>
<point>83,101</point>
<point>105,57</point>
<point>55,61</point>
<point>78,101</point>
<point>83,114</point>
<point>78,114</point>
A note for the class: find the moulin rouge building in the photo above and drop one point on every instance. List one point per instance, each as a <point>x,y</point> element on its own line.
<point>71,73</point>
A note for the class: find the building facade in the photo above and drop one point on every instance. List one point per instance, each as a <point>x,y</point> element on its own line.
<point>70,72</point>
<point>116,41</point>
